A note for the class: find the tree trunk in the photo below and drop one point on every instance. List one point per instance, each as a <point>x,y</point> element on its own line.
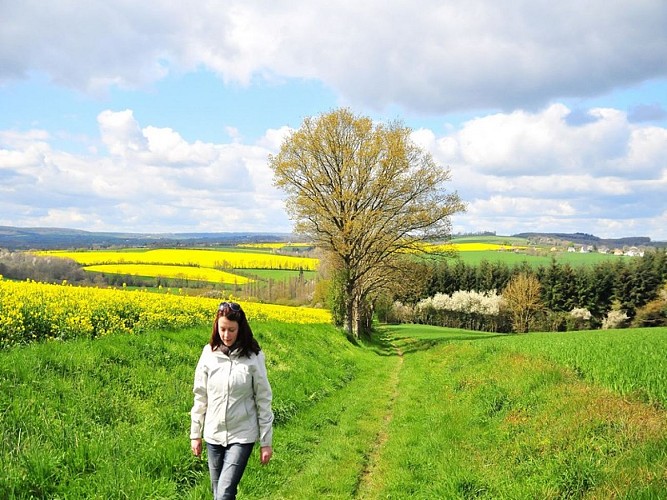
<point>363,316</point>
<point>349,316</point>
<point>350,311</point>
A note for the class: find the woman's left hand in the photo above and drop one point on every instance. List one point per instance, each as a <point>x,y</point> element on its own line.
<point>265,453</point>
<point>196,446</point>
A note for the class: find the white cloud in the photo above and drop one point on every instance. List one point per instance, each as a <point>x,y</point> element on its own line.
<point>521,207</point>
<point>273,138</point>
<point>120,132</point>
<point>606,176</point>
<point>152,180</point>
<point>432,57</point>
<point>647,151</point>
<point>535,170</point>
<point>537,145</point>
<point>521,143</point>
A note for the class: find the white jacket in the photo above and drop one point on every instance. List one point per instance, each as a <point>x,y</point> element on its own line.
<point>232,402</point>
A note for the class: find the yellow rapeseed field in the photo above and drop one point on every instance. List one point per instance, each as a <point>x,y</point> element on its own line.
<point>31,311</point>
<point>215,259</point>
<point>209,265</point>
<point>166,271</point>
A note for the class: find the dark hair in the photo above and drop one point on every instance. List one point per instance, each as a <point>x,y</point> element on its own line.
<point>245,340</point>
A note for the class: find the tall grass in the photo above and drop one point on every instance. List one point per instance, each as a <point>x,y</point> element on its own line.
<point>97,419</point>
<point>421,412</point>
<point>629,361</point>
<point>481,419</point>
<point>108,418</point>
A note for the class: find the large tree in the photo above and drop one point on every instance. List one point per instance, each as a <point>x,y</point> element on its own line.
<point>365,194</point>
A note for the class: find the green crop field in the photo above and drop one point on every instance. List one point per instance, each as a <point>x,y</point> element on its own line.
<point>507,417</point>
<point>630,361</point>
<point>276,274</point>
<point>521,252</point>
<point>575,259</point>
<point>419,412</point>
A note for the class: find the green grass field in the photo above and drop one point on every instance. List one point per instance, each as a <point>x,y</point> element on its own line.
<point>575,259</point>
<point>489,417</point>
<point>276,274</point>
<point>631,361</point>
<point>420,412</point>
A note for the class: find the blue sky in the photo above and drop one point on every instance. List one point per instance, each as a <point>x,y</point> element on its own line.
<point>159,117</point>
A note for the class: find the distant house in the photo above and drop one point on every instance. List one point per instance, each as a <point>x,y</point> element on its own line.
<point>603,250</point>
<point>571,249</point>
<point>634,252</point>
<point>618,251</point>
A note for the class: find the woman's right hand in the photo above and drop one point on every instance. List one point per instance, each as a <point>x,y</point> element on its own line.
<point>195,444</point>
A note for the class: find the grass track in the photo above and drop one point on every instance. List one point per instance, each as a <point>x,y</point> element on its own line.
<point>323,452</point>
<point>459,415</point>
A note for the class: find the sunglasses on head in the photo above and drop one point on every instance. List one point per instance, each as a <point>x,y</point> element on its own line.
<point>231,305</point>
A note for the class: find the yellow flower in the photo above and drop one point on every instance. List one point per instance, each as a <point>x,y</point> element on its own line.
<point>32,311</point>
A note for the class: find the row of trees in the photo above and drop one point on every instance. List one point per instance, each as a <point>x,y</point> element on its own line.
<point>557,297</point>
<point>22,266</point>
<point>626,283</point>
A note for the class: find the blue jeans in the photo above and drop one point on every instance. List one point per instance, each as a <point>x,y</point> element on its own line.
<point>226,465</point>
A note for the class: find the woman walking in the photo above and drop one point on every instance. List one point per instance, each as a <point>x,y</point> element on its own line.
<point>232,401</point>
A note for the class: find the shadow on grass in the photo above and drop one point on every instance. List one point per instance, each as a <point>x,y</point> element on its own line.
<point>393,340</point>
<point>376,342</point>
